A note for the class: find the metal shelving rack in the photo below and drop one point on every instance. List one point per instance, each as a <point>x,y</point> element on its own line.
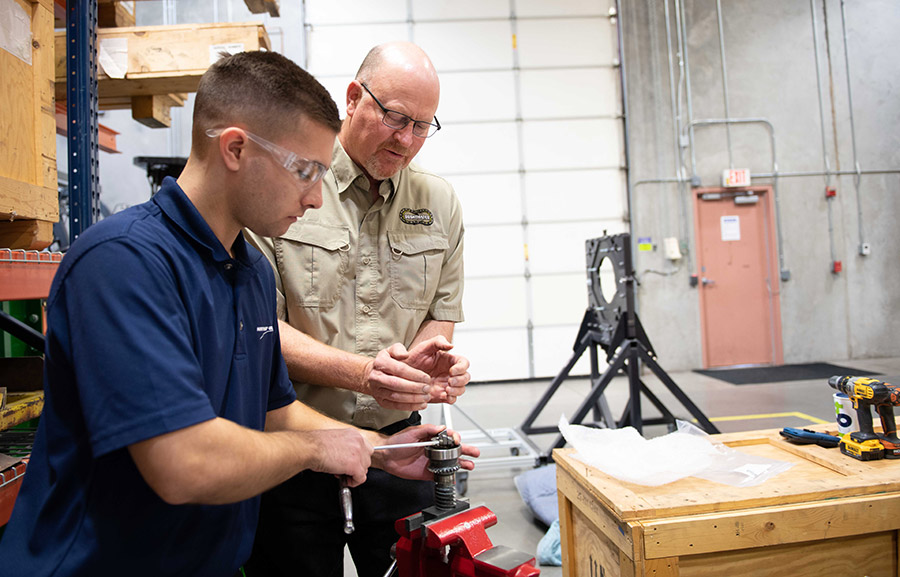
<point>82,102</point>
<point>29,274</point>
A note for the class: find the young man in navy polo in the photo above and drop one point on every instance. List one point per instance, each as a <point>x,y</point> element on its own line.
<point>168,408</point>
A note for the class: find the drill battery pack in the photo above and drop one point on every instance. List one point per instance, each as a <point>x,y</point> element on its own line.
<point>870,450</point>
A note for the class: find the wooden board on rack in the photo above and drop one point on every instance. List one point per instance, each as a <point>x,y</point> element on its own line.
<point>26,234</point>
<point>27,122</point>
<point>165,59</point>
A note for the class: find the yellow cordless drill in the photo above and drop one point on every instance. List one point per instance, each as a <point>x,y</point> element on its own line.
<point>865,444</point>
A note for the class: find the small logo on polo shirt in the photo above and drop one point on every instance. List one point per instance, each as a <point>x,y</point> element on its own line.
<point>418,216</point>
<point>264,331</point>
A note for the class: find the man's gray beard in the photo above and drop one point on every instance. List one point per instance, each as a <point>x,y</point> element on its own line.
<point>371,168</point>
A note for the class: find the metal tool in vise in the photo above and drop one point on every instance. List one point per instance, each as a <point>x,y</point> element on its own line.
<point>449,538</point>
<point>347,498</point>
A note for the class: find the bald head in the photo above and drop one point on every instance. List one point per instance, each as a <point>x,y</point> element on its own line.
<point>397,77</point>
<point>394,60</point>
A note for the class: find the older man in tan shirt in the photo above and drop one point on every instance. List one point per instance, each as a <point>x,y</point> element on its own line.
<point>369,289</point>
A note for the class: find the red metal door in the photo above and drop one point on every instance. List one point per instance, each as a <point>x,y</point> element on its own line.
<point>740,307</point>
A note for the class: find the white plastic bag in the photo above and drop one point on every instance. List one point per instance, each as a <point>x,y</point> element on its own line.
<point>626,455</point>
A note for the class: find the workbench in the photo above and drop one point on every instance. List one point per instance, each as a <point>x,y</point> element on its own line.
<point>828,515</point>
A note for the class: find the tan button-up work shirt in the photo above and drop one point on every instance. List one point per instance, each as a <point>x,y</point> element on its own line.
<point>361,276</point>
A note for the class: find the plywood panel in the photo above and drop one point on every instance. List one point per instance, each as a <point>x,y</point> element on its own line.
<point>595,554</point>
<point>27,131</point>
<point>17,146</point>
<point>872,555</point>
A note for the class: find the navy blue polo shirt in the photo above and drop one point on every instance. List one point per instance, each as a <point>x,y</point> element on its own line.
<point>151,327</point>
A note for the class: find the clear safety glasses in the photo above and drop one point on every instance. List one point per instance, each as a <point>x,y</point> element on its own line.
<point>306,172</point>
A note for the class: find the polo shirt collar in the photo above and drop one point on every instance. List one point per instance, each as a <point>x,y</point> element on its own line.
<point>345,171</point>
<point>175,204</point>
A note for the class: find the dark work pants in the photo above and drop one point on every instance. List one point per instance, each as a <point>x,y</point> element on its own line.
<point>301,524</point>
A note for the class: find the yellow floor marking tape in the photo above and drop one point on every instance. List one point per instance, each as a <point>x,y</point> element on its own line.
<point>772,416</point>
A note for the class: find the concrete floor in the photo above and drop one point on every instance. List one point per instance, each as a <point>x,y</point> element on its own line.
<point>732,408</point>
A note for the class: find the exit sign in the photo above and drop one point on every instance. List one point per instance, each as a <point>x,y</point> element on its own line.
<point>736,177</point>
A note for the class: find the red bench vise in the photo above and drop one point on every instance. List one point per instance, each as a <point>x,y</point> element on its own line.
<point>454,543</point>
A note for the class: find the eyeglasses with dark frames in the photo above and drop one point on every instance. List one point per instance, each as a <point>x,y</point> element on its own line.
<point>306,172</point>
<point>399,121</point>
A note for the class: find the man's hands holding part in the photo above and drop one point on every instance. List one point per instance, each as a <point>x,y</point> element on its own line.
<point>411,463</point>
<point>349,453</point>
<point>409,380</point>
<point>342,452</point>
<point>449,373</point>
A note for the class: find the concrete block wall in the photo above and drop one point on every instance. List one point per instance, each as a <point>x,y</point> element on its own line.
<point>770,64</point>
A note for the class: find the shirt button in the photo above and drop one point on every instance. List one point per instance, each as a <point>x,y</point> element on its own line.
<point>366,260</point>
<point>366,309</point>
<point>228,266</point>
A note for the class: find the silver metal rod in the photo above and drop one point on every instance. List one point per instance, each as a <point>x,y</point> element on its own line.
<point>799,173</point>
<point>859,210</point>
<point>479,427</point>
<point>680,20</point>
<point>829,199</point>
<point>406,445</point>
<point>724,80</point>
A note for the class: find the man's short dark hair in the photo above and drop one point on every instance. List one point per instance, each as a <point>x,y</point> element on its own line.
<point>263,90</point>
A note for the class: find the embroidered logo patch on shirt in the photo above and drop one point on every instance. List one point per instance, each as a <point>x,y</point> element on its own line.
<point>417,216</point>
<point>263,331</point>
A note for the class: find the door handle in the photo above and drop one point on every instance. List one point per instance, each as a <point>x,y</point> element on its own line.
<point>707,281</point>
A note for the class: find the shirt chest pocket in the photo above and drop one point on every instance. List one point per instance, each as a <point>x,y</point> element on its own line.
<point>415,267</point>
<point>312,259</point>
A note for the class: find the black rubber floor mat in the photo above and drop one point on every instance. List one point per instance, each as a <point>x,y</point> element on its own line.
<point>801,372</point>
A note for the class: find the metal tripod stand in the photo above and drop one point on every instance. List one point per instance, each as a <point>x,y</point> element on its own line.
<point>614,326</point>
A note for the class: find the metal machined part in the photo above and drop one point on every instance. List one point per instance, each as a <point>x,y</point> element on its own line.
<point>443,462</point>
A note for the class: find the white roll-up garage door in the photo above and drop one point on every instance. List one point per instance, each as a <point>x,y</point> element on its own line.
<point>532,142</point>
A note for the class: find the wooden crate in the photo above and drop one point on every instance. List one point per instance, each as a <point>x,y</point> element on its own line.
<point>28,194</point>
<point>829,515</point>
<point>160,64</point>
<point>163,59</point>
